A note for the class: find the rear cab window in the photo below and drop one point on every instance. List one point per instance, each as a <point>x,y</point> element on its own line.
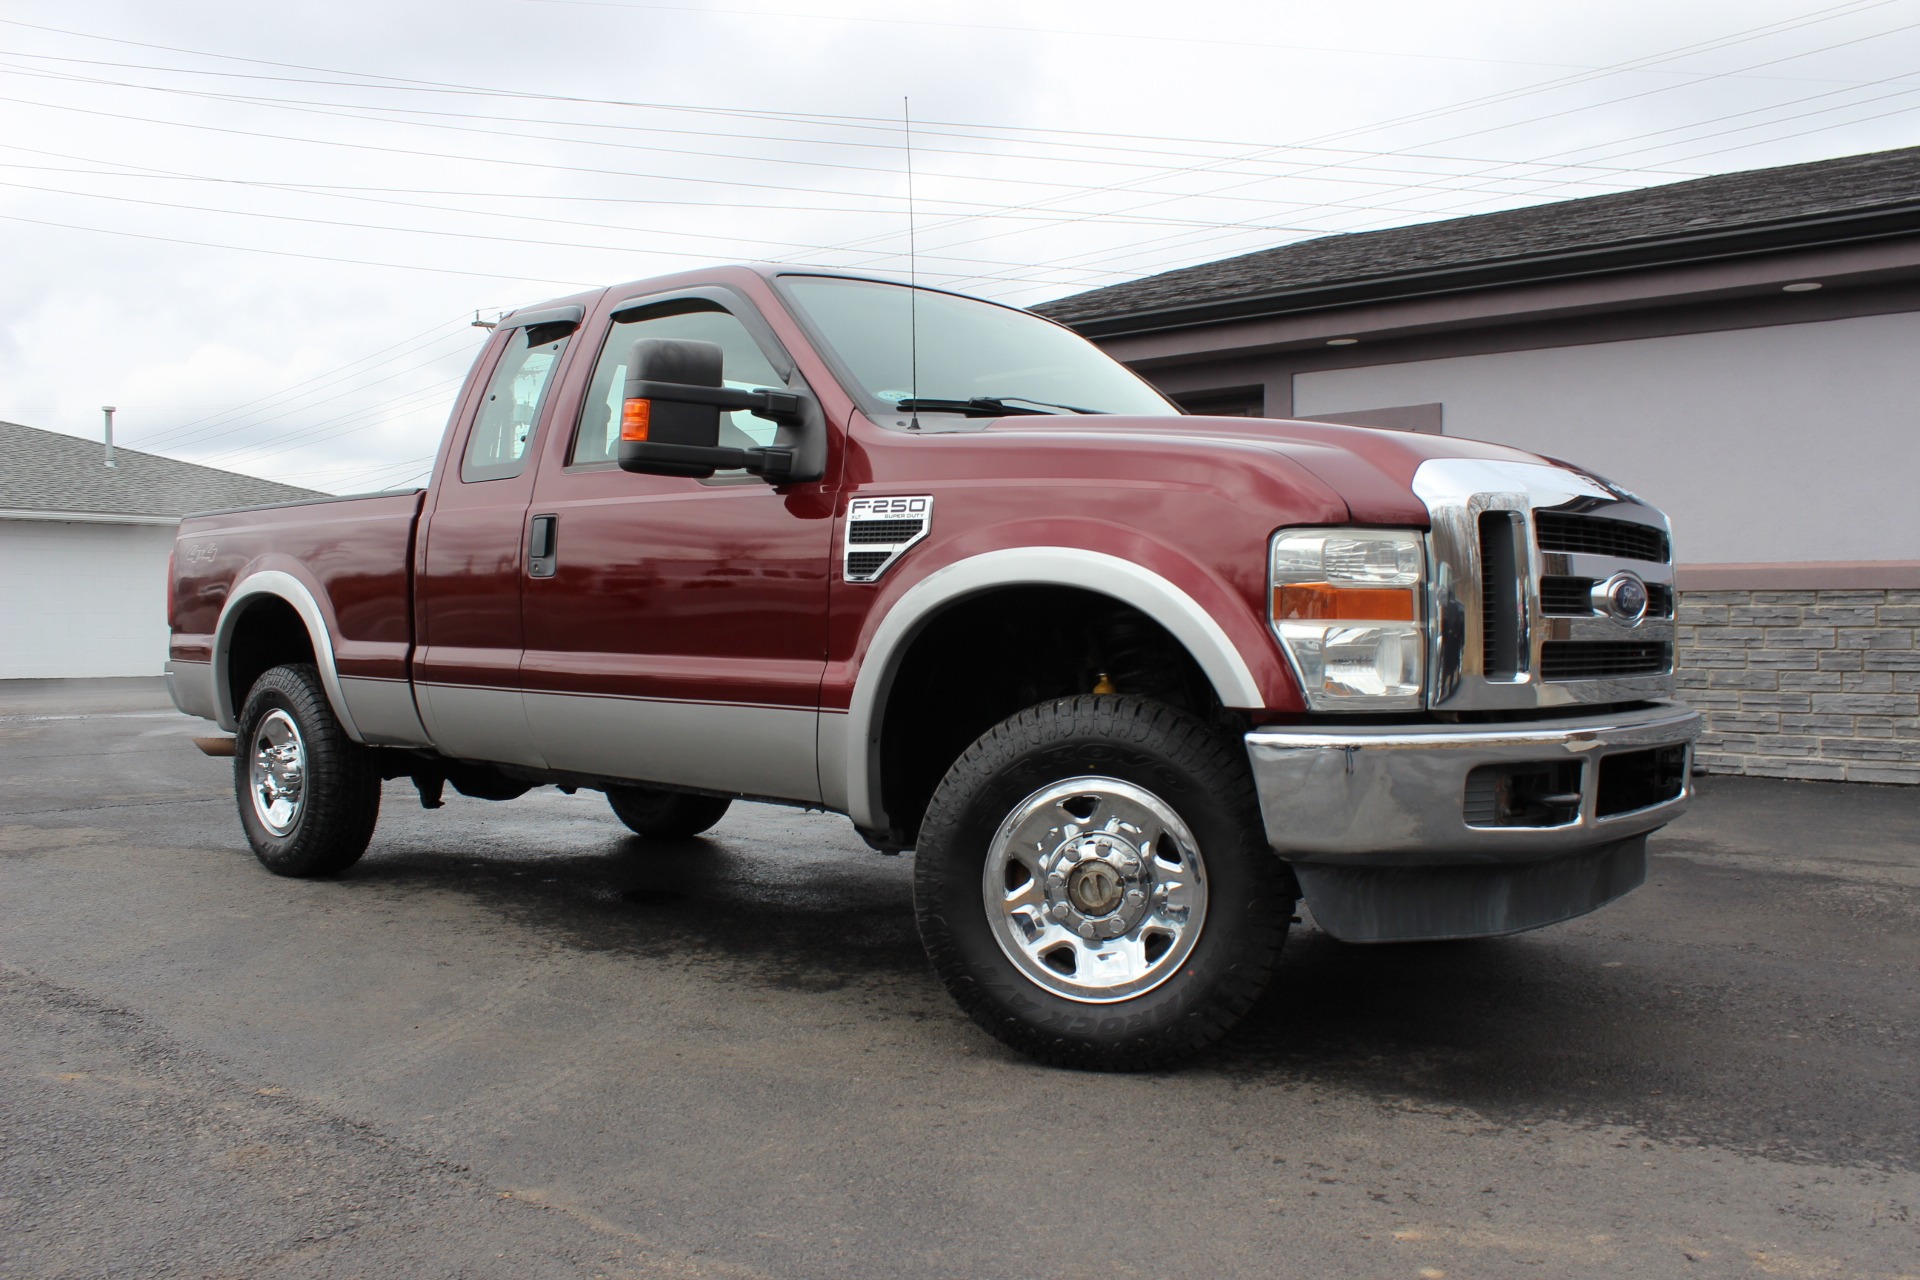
<point>502,437</point>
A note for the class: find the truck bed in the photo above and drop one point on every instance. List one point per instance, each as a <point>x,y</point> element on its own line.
<point>350,563</point>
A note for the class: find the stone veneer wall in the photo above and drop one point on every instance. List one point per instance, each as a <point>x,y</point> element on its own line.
<point>1804,684</point>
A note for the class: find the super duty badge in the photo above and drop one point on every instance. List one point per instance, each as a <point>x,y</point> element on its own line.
<point>879,530</point>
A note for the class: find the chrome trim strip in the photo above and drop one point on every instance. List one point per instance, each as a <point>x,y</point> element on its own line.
<point>1651,630</point>
<point>1395,795</point>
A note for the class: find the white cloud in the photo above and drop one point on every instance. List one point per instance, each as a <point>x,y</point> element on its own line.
<point>187,338</point>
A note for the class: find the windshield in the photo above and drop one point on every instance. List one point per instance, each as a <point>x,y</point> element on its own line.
<point>976,358</point>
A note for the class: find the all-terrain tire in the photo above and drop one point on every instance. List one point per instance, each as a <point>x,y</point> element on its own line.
<point>325,829</point>
<point>665,815</point>
<point>1140,751</point>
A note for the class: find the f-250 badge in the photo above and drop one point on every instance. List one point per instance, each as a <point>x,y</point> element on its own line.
<point>879,531</point>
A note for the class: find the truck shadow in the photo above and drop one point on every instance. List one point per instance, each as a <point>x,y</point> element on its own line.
<point>1569,1024</point>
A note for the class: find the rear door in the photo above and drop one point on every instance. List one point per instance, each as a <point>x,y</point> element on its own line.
<point>678,633</point>
<point>467,669</point>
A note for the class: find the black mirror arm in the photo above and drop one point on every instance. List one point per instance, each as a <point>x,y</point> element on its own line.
<point>762,402</point>
<point>775,462</point>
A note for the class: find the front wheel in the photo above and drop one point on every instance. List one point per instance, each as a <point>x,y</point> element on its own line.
<point>309,795</point>
<point>1093,886</point>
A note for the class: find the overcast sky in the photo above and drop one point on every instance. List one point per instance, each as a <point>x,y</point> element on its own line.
<point>263,231</point>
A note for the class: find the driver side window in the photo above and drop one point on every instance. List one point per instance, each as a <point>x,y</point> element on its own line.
<point>744,367</point>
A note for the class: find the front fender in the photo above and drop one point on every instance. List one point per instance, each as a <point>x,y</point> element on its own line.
<point>1200,611</point>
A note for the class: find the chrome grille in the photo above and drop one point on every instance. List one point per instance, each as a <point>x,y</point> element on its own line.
<point>1598,659</point>
<point>1599,536</point>
<point>1522,558</point>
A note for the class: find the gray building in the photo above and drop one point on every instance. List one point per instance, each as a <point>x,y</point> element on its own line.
<point>84,547</point>
<point>1739,349</point>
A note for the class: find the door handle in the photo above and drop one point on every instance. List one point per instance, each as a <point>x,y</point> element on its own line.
<point>543,538</point>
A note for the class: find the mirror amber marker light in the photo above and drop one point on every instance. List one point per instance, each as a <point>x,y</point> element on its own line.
<point>635,419</point>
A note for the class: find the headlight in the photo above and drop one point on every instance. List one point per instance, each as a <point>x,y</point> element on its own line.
<point>1347,606</point>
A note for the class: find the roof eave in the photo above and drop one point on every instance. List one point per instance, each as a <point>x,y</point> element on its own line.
<point>1782,236</point>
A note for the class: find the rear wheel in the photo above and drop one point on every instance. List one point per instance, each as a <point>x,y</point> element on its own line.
<point>649,811</point>
<point>1093,885</point>
<point>309,795</point>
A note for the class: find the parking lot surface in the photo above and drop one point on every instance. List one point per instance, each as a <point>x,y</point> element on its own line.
<point>515,1041</point>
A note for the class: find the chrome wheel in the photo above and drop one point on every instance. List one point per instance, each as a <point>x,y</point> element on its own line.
<point>1095,889</point>
<point>278,772</point>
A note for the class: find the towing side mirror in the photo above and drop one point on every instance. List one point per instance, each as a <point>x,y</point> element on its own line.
<point>670,415</point>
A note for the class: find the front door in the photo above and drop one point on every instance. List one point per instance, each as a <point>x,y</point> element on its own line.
<point>678,633</point>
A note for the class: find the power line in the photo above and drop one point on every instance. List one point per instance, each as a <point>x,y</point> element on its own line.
<point>289,253</point>
<point>424,337</point>
<point>1738,37</point>
<point>837,143</point>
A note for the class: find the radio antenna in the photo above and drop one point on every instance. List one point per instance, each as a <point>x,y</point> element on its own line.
<point>913,276</point>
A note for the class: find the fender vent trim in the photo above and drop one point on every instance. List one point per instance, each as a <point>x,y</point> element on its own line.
<point>879,532</point>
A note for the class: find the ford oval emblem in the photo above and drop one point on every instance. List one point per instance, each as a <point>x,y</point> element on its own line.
<point>1623,597</point>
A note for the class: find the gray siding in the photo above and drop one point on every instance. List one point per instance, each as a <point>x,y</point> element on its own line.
<point>1783,443</point>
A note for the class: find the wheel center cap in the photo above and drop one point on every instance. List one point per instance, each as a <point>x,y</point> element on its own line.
<point>1095,888</point>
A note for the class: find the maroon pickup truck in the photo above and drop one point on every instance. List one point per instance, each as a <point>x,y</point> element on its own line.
<point>1130,683</point>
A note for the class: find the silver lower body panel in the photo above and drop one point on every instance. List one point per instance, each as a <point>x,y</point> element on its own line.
<point>190,685</point>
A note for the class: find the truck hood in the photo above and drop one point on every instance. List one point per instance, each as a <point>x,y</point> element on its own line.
<point>1369,468</point>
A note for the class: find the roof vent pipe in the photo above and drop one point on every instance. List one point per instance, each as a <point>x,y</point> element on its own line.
<point>107,409</point>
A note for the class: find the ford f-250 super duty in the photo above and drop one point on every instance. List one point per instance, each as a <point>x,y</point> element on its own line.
<point>1130,683</point>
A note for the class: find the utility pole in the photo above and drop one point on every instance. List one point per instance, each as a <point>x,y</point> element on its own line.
<point>107,409</point>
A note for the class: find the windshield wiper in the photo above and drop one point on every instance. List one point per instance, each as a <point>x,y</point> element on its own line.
<point>989,406</point>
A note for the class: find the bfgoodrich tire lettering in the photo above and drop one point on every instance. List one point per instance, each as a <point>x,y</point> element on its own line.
<point>309,795</point>
<point>1137,1017</point>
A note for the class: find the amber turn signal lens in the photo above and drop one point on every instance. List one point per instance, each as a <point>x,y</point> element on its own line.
<point>635,418</point>
<point>1305,600</point>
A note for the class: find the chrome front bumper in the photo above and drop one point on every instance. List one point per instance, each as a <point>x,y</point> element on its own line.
<point>1396,795</point>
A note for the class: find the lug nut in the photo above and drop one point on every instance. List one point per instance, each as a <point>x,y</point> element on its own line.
<point>1058,911</point>
<point>1086,929</point>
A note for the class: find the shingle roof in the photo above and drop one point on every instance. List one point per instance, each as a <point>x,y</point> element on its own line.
<point>1753,211</point>
<point>48,471</point>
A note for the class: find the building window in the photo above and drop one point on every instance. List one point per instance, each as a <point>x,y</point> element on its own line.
<point>1234,402</point>
<point>1423,418</point>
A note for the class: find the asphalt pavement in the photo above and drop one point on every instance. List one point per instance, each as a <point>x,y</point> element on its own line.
<point>517,1042</point>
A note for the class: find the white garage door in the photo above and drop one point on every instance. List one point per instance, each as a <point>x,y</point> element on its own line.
<point>82,599</point>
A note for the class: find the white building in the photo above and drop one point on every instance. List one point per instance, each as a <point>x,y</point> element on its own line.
<point>84,547</point>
